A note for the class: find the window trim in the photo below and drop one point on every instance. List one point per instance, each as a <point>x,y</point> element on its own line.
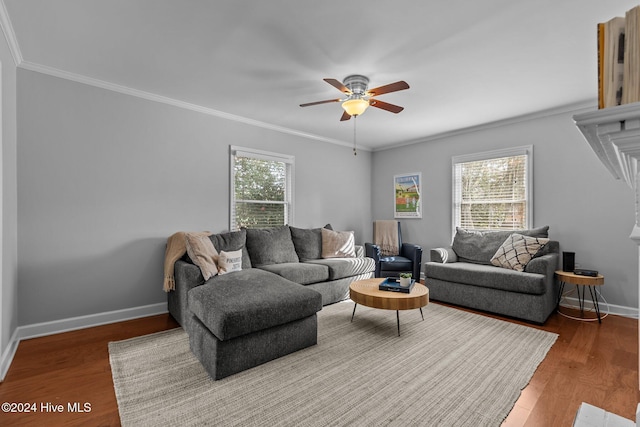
<point>526,150</point>
<point>289,160</point>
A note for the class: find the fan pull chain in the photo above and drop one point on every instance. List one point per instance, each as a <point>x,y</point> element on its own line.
<point>354,135</point>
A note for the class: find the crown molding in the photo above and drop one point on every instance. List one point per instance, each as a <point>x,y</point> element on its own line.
<point>575,108</point>
<point>9,34</point>
<point>7,28</point>
<point>78,78</point>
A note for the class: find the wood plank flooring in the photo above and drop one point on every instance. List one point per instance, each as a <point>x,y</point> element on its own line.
<point>589,362</point>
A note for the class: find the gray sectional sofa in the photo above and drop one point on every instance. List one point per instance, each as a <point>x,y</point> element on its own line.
<point>463,274</point>
<point>267,309</point>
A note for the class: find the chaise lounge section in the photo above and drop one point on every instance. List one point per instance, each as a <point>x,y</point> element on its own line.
<point>265,308</point>
<point>250,318</point>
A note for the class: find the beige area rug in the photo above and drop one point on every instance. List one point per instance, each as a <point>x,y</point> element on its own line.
<point>452,369</point>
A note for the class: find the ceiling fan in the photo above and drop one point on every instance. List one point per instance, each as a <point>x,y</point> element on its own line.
<point>359,98</point>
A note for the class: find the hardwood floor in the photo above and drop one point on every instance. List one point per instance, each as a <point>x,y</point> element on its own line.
<point>590,362</point>
<point>67,368</point>
<point>597,364</point>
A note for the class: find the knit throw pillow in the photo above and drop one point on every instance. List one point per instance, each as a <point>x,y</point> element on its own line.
<point>517,250</point>
<point>202,252</point>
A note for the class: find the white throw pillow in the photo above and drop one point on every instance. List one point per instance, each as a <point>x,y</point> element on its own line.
<point>338,244</point>
<point>517,250</point>
<point>229,262</point>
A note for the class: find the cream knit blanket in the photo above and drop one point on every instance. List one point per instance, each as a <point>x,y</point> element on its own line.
<point>176,248</point>
<point>385,235</point>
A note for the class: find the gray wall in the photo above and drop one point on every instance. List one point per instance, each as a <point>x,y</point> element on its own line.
<point>588,211</point>
<point>104,178</point>
<point>8,212</point>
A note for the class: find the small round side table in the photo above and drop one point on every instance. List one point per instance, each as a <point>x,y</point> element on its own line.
<point>584,282</point>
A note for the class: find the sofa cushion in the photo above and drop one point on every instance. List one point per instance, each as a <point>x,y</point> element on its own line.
<point>307,242</point>
<point>250,300</point>
<point>338,244</point>
<point>270,246</point>
<point>480,246</point>
<point>487,276</point>
<point>232,241</point>
<point>298,272</point>
<point>396,263</point>
<point>516,252</point>
<point>340,268</point>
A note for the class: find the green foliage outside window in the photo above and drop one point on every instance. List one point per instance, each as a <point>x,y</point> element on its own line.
<point>260,192</point>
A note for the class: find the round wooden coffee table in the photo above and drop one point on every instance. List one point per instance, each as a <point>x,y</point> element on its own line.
<point>366,292</point>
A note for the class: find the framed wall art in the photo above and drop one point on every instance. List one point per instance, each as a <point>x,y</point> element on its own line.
<point>407,195</point>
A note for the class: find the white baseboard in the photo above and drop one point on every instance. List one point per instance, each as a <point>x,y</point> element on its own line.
<point>8,354</point>
<point>88,321</point>
<point>618,310</point>
<point>72,324</point>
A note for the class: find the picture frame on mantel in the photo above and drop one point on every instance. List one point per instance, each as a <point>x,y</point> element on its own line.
<point>407,195</point>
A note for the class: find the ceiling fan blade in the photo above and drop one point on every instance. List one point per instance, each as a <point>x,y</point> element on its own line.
<point>391,87</point>
<point>386,106</point>
<point>338,85</point>
<point>320,102</point>
<point>345,116</point>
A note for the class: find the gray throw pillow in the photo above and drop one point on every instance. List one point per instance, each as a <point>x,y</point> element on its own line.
<point>480,246</point>
<point>233,241</point>
<point>308,242</point>
<point>270,246</point>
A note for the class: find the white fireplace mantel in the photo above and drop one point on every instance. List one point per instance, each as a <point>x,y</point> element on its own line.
<point>614,134</point>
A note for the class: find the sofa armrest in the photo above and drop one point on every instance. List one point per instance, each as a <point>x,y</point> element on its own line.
<point>187,274</point>
<point>187,277</point>
<point>545,265</point>
<point>359,251</point>
<point>414,253</point>
<point>443,255</point>
<point>373,251</point>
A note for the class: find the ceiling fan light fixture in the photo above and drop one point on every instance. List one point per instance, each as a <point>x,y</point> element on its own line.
<point>355,106</point>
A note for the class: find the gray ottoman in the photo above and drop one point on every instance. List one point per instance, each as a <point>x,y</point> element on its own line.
<point>246,318</point>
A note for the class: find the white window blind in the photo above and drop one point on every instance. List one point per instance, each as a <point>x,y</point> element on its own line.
<point>261,189</point>
<point>492,191</point>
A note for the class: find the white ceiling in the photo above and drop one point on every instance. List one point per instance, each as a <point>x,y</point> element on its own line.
<point>468,62</point>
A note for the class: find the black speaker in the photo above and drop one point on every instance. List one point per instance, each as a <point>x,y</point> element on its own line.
<point>568,261</point>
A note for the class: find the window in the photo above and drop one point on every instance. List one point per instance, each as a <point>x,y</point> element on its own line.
<point>261,189</point>
<point>492,191</point>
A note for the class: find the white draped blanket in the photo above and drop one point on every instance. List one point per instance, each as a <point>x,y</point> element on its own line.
<point>385,235</point>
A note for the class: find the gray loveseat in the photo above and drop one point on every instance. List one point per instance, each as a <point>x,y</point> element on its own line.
<point>267,309</point>
<point>463,275</point>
